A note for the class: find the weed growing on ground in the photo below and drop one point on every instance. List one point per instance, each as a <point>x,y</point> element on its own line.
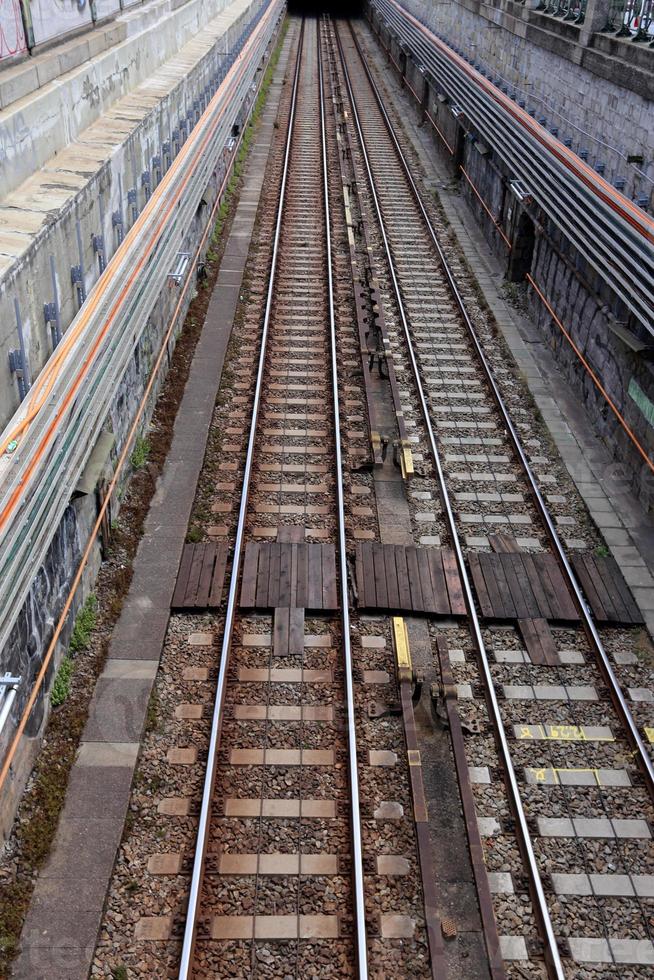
<point>141,453</point>
<point>83,627</point>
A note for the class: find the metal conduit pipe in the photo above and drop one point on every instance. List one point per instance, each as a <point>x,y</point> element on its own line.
<point>616,238</point>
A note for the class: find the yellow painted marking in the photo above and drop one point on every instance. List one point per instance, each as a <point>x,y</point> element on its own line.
<point>406,461</point>
<point>401,644</point>
<point>413,756</point>
<point>560,733</point>
<point>542,775</point>
<point>649,735</point>
<point>566,733</point>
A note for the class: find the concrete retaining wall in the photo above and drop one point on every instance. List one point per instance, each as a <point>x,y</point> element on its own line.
<point>53,219</point>
<point>59,96</point>
<point>31,635</point>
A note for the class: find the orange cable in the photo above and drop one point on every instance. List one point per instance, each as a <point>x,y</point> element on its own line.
<point>486,208</point>
<point>594,377</point>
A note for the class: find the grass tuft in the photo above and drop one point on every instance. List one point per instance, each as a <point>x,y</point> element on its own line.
<point>141,452</point>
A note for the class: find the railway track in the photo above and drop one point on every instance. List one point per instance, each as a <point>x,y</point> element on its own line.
<point>566,761</point>
<point>289,721</point>
<point>362,344</point>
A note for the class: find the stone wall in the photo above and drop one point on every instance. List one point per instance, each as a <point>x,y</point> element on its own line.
<point>599,91</point>
<point>528,242</point>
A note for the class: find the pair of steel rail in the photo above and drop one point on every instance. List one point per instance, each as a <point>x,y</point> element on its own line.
<point>186,966</point>
<point>627,720</point>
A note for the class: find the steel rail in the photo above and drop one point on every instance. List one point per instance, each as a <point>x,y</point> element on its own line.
<point>524,836</point>
<point>230,612</point>
<point>37,480</point>
<point>607,229</point>
<point>619,701</point>
<point>355,811</point>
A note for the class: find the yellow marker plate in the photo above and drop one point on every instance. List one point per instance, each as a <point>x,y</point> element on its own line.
<point>564,733</point>
<point>406,461</point>
<point>401,643</point>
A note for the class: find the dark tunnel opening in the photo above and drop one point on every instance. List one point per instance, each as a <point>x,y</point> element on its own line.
<point>337,8</point>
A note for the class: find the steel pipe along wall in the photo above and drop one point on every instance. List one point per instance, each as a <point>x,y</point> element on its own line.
<point>45,447</point>
<point>611,232</point>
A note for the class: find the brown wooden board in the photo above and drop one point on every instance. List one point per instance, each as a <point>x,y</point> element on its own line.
<point>329,583</point>
<point>402,578</point>
<point>503,544</point>
<point>315,577</point>
<point>515,561</point>
<point>515,585</point>
<point>379,567</point>
<point>296,632</point>
<point>498,591</point>
<point>218,579</point>
<point>273,574</point>
<point>479,583</point>
<point>289,574</point>
<point>609,566</point>
<point>285,562</point>
<point>249,576</point>
<point>392,586</point>
<point>566,607</point>
<point>417,603</point>
<point>428,598</point>
<point>281,628</point>
<point>606,591</point>
<point>545,611</point>
<point>263,577</point>
<point>538,639</point>
<point>302,588</point>
<point>290,533</point>
<point>201,577</point>
<point>182,576</point>
<point>442,605</point>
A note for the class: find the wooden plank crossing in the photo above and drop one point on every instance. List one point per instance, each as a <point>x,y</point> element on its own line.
<point>289,574</point>
<point>200,578</point>
<point>408,579</point>
<point>539,642</point>
<point>515,585</point>
<point>606,591</point>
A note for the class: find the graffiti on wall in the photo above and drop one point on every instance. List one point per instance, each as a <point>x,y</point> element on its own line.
<point>52,18</point>
<point>12,36</point>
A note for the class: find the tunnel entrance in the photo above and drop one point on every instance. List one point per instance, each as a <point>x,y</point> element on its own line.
<point>337,8</point>
<point>522,252</point>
